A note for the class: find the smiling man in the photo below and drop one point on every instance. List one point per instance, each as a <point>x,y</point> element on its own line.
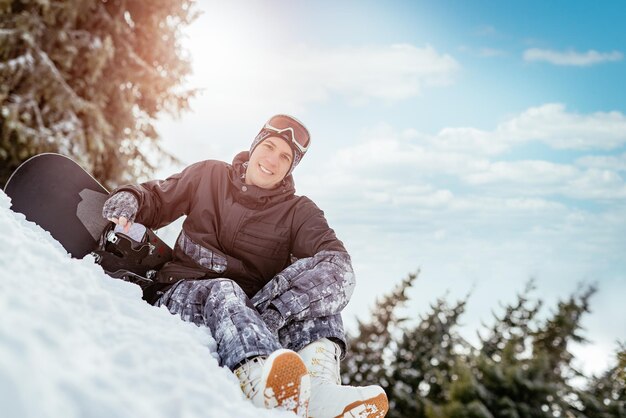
<point>260,267</point>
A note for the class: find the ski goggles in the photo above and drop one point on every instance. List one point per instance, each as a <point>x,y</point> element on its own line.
<point>290,129</point>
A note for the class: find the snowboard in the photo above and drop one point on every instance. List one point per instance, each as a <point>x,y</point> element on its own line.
<point>56,193</point>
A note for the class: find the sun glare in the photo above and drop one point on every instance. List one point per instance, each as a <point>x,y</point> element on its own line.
<point>224,44</point>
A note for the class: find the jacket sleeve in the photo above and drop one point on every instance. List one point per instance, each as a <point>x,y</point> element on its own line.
<point>311,287</point>
<point>163,201</point>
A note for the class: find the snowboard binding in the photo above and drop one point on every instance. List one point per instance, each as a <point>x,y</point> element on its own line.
<point>138,262</point>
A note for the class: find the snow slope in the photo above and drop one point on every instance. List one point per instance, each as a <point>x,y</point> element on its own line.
<point>76,343</point>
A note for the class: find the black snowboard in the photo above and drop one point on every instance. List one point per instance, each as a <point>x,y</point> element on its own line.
<point>57,194</point>
<point>54,192</point>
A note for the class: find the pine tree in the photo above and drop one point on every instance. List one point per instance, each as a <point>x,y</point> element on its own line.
<point>510,382</point>
<point>524,368</point>
<point>463,394</point>
<point>424,362</point>
<point>551,355</point>
<point>364,363</point>
<point>87,78</point>
<point>510,333</point>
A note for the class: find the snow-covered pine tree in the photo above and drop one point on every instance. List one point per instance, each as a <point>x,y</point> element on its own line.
<point>87,78</point>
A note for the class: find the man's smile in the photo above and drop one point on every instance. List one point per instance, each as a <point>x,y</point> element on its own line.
<point>265,170</point>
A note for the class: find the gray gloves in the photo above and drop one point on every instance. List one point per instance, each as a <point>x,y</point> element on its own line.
<point>121,204</point>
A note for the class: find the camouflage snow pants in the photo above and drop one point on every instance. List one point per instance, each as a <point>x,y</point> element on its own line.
<point>236,324</point>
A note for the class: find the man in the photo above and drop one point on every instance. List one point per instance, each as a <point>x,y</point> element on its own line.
<point>261,268</point>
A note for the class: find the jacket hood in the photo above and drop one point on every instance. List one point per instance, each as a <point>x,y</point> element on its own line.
<point>254,194</point>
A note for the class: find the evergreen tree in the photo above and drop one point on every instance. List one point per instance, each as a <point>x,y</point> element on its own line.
<point>510,382</point>
<point>552,358</point>
<point>562,329</point>
<point>364,363</point>
<point>463,394</point>
<point>87,78</point>
<point>511,332</point>
<point>424,359</point>
<point>522,369</point>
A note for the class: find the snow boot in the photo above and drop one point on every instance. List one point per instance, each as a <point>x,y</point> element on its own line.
<point>328,397</point>
<point>278,381</point>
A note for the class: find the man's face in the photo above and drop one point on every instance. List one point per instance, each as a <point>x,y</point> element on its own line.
<point>269,163</point>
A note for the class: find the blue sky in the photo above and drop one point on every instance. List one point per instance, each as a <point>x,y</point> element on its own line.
<point>483,142</point>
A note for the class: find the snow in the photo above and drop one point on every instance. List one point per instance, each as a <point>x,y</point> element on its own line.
<point>76,343</point>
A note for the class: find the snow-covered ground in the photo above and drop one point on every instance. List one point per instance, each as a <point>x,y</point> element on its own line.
<point>76,343</point>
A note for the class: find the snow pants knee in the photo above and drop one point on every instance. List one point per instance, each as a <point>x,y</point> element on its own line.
<point>237,326</point>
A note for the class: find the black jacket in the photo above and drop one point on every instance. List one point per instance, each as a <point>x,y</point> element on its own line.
<point>233,230</point>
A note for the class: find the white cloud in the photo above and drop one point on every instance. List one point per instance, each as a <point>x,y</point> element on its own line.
<point>460,169</point>
<point>467,140</point>
<point>384,169</point>
<point>390,73</point>
<point>392,158</point>
<point>523,173</point>
<point>545,178</point>
<point>596,184</point>
<point>615,163</point>
<point>469,157</point>
<point>293,76</point>
<point>251,66</point>
<point>571,57</point>
<point>550,124</point>
<point>553,125</point>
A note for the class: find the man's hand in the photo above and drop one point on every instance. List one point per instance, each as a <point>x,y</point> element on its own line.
<point>123,222</point>
<point>121,208</point>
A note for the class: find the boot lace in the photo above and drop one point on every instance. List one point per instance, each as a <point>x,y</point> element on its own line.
<point>327,362</point>
<point>249,375</point>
